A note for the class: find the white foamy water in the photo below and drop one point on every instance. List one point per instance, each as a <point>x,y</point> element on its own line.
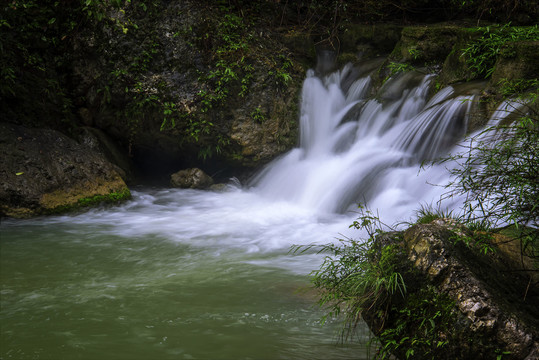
<point>355,149</point>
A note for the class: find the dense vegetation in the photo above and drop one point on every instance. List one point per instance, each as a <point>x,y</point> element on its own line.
<point>37,40</point>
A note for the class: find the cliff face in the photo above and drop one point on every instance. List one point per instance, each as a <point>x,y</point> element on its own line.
<point>188,82</point>
<point>169,85</point>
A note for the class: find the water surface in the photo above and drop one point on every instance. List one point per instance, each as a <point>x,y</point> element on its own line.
<point>172,274</point>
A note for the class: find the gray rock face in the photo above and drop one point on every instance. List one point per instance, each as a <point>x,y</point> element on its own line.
<point>495,311</point>
<point>486,297</point>
<point>191,179</point>
<point>44,171</point>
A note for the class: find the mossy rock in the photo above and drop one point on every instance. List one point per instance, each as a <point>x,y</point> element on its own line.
<point>368,41</point>
<point>425,44</point>
<point>482,311</point>
<point>517,60</point>
<point>99,192</point>
<point>45,171</point>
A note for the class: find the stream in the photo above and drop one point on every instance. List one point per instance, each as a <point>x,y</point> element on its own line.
<point>171,274</point>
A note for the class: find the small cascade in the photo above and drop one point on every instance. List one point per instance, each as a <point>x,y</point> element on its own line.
<point>359,149</point>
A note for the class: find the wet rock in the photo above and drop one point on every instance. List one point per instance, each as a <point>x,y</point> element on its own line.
<point>191,179</point>
<point>102,144</point>
<point>219,187</point>
<point>43,171</point>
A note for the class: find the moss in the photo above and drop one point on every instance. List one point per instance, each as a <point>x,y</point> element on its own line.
<point>125,194</point>
<point>370,40</point>
<point>87,194</point>
<point>517,60</point>
<point>424,45</point>
<point>113,197</point>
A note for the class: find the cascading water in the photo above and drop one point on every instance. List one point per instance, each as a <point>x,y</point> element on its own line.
<point>355,149</point>
<point>185,274</point>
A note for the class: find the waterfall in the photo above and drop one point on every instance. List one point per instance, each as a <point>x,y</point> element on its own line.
<point>356,148</point>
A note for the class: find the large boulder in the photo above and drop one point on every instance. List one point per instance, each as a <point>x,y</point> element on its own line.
<point>470,304</point>
<point>43,171</point>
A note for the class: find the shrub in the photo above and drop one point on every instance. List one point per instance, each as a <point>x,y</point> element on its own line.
<point>499,175</point>
<point>481,53</point>
<point>350,279</point>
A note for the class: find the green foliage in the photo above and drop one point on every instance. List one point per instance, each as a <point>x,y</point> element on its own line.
<point>521,87</point>
<point>479,241</point>
<point>169,108</point>
<point>481,54</point>
<point>421,326</point>
<point>36,40</point>
<point>198,127</point>
<point>414,53</point>
<point>258,115</point>
<point>396,68</point>
<point>280,73</point>
<point>231,68</point>
<point>427,214</point>
<point>499,175</point>
<point>369,275</point>
<point>500,353</point>
<point>357,275</point>
<point>227,38</point>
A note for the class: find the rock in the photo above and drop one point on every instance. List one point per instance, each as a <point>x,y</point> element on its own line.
<point>455,68</point>
<point>101,143</point>
<point>370,40</point>
<point>517,61</point>
<point>191,179</point>
<point>425,44</point>
<point>219,187</point>
<point>44,171</point>
<point>492,307</point>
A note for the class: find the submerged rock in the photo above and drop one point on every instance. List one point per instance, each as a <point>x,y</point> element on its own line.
<point>191,179</point>
<point>43,171</point>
